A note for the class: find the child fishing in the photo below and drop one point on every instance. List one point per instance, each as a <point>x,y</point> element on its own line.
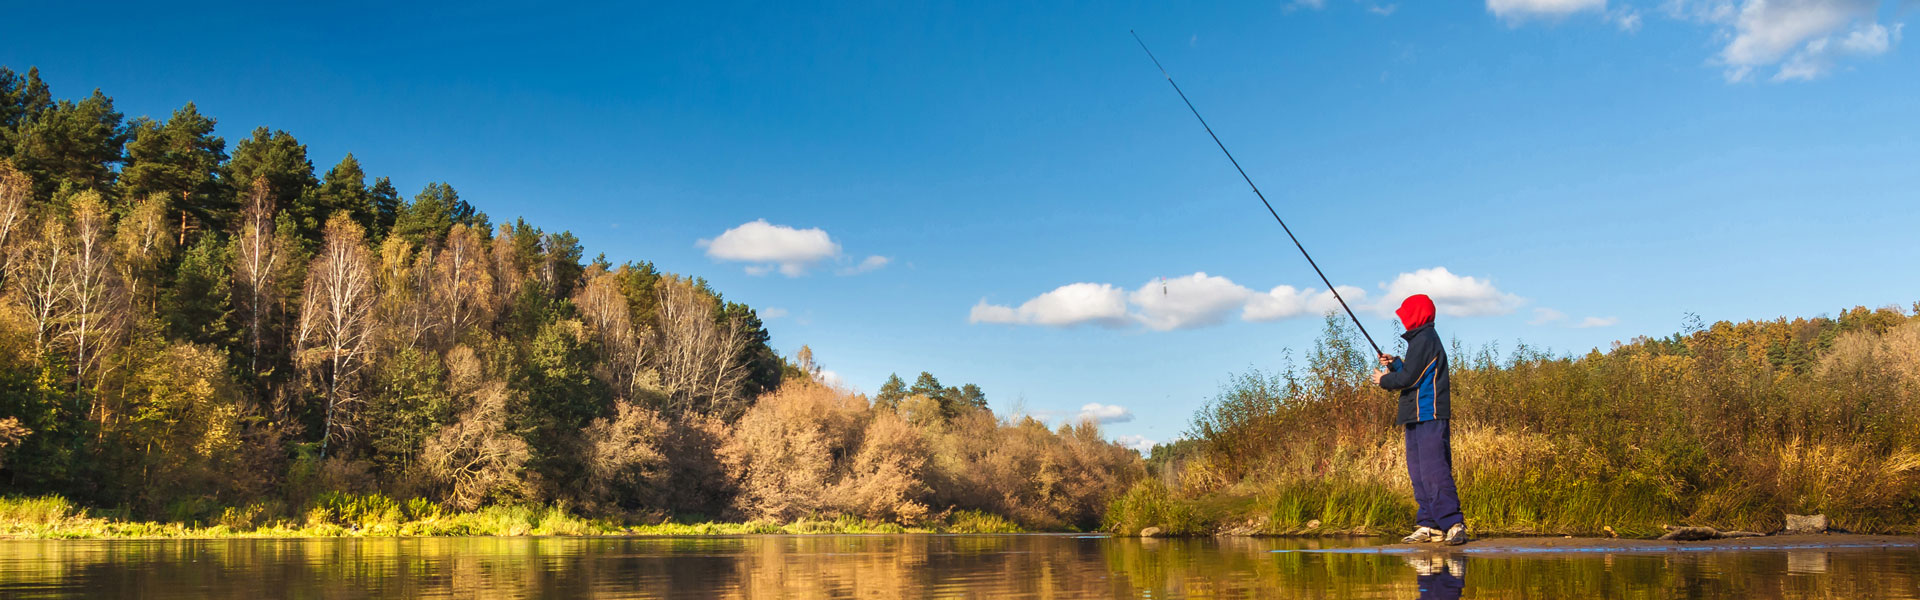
<point>1421,379</point>
<point>1425,390</point>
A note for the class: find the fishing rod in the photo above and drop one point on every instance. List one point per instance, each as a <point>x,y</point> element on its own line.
<point>1256,192</point>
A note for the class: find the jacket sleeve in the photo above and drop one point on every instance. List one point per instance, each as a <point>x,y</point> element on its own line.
<point>1406,372</point>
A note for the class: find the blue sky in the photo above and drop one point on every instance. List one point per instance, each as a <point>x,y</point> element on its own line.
<point>992,193</point>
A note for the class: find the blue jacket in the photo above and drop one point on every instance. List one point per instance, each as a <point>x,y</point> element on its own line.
<point>1421,378</point>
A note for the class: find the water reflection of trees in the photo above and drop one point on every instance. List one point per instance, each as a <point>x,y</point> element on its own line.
<point>905,566</point>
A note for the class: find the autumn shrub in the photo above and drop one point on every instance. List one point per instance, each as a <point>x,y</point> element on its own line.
<point>186,418</point>
<point>476,457</point>
<point>1042,478</point>
<point>624,456</point>
<point>11,433</point>
<point>784,451</point>
<point>886,480</point>
<point>696,479</point>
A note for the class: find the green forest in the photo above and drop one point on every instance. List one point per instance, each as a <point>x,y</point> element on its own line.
<point>198,334</point>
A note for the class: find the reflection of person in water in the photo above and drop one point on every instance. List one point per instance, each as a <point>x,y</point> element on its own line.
<point>1440,577</point>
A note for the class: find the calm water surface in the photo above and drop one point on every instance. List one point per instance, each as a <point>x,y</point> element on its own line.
<point>907,566</point>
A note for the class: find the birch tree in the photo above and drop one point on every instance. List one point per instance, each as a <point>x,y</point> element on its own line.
<point>95,310</point>
<point>39,276</point>
<point>15,189</point>
<point>405,306</point>
<point>258,258</point>
<point>697,353</point>
<point>604,308</point>
<point>145,242</point>
<point>463,281</point>
<point>507,268</point>
<point>336,318</point>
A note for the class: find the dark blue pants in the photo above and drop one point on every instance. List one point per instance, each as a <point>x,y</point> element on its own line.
<point>1441,586</point>
<point>1430,464</point>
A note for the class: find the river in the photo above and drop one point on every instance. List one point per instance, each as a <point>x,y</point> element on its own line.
<point>911,566</point>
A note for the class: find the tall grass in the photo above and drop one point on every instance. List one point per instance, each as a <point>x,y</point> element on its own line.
<point>37,510</point>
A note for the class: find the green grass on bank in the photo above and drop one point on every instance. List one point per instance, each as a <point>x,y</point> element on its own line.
<point>1298,508</point>
<point>374,515</point>
<point>1493,506</point>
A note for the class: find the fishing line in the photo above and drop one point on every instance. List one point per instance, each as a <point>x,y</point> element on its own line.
<point>1256,192</point>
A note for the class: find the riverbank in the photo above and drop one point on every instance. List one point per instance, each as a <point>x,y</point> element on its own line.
<point>1551,545</point>
<point>1731,426</point>
<point>53,517</point>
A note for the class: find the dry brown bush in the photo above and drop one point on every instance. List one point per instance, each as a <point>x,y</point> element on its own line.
<point>624,459</point>
<point>1041,478</point>
<point>697,479</point>
<point>11,433</point>
<point>476,457</point>
<point>886,480</point>
<point>783,451</point>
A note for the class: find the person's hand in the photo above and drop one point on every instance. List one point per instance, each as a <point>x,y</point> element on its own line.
<point>1386,360</point>
<point>1377,374</point>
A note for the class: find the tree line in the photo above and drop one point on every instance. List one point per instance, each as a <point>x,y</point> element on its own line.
<point>183,328</point>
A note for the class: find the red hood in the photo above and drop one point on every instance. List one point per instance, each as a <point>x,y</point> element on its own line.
<point>1415,311</point>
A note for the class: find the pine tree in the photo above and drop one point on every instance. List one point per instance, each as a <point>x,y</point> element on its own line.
<point>21,99</point>
<point>428,217</point>
<point>345,189</point>
<point>386,207</point>
<point>282,161</point>
<point>891,392</point>
<point>181,159</point>
<point>71,146</point>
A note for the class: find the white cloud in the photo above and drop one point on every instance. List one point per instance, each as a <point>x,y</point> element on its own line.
<point>1702,11</point>
<point>1766,30</point>
<point>1067,305</point>
<point>1200,300</point>
<point>1104,413</point>
<point>1627,19</point>
<point>770,246</point>
<point>1384,10</point>
<point>1313,4</point>
<point>1598,322</point>
<point>1515,11</point>
<point>834,380</point>
<point>1796,39</point>
<point>1137,442</point>
<point>1543,316</point>
<point>1285,302</point>
<point>1803,37</point>
<point>1453,295</point>
<point>772,313</point>
<point>1196,300</point>
<point>871,263</point>
<point>1872,39</point>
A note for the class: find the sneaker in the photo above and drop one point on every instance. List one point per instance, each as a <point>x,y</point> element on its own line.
<point>1456,567</point>
<point>1422,534</point>
<point>1457,534</point>
<point>1427,565</point>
